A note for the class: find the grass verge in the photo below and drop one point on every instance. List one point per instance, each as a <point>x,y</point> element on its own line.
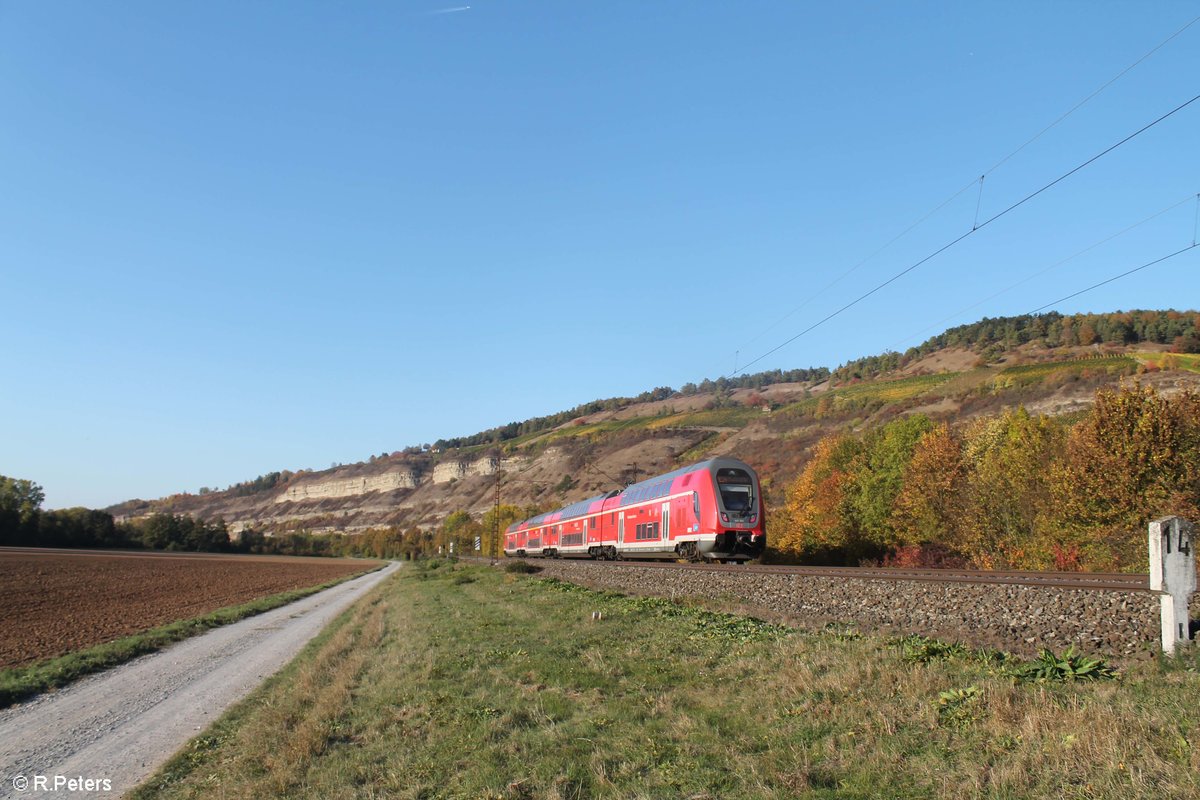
<point>19,683</point>
<point>458,681</point>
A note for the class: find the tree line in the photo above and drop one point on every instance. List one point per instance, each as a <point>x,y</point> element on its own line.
<point>24,523</point>
<point>1018,490</point>
<point>992,336</point>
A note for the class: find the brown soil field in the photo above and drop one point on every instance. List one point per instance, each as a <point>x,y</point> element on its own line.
<point>54,602</point>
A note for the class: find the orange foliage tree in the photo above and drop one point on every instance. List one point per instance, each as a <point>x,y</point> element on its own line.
<point>814,519</point>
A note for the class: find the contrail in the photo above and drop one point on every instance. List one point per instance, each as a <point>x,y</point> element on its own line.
<point>450,10</point>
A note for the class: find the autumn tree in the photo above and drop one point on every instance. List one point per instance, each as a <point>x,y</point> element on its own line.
<point>928,508</point>
<point>1007,495</point>
<point>1134,458</point>
<point>814,522</point>
<point>495,524</point>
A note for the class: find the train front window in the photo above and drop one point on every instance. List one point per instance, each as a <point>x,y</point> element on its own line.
<point>737,490</point>
<point>736,498</point>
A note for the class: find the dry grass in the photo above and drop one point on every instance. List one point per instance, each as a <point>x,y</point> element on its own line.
<point>472,683</point>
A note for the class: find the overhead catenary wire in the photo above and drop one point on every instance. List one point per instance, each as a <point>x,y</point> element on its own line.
<point>947,202</point>
<point>959,239</point>
<point>973,231</point>
<point>1196,224</point>
<point>1114,278</point>
<point>811,297</point>
<point>1042,272</point>
<point>1082,102</point>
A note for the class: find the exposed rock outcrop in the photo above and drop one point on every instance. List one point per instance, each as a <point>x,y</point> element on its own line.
<point>349,487</point>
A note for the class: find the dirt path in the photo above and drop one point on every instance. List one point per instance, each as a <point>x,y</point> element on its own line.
<point>123,724</point>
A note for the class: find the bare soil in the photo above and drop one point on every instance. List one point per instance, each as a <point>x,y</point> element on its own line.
<point>57,602</point>
<point>952,359</point>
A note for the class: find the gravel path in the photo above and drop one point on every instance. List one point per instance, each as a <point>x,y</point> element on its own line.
<point>121,725</point>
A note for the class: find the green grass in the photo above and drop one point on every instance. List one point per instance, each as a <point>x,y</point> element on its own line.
<point>731,417</point>
<point>467,682</point>
<point>19,683</point>
<point>869,395</point>
<point>895,390</point>
<point>1189,362</point>
<point>738,416</point>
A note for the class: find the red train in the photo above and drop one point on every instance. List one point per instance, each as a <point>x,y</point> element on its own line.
<point>711,510</point>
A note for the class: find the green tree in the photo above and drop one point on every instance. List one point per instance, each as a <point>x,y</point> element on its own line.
<point>1009,460</point>
<point>20,506</point>
<point>21,497</point>
<point>459,528</point>
<point>877,476</point>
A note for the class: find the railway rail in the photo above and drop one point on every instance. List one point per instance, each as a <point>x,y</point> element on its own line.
<point>1100,581</point>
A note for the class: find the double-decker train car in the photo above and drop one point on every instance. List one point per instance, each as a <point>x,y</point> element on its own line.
<point>710,510</point>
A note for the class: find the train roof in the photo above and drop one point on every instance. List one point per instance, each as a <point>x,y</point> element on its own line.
<point>633,493</point>
<point>660,485</point>
<point>708,464</point>
<point>578,509</point>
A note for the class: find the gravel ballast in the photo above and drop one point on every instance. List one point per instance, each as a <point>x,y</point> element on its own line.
<point>1018,619</point>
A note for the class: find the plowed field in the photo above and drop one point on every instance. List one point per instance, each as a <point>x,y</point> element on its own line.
<point>56,602</point>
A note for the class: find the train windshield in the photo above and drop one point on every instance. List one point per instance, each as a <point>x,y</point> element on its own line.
<point>737,490</point>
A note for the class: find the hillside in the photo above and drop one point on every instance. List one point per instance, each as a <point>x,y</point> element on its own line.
<point>1051,364</point>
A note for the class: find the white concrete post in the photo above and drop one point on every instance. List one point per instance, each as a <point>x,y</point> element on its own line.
<point>1173,574</point>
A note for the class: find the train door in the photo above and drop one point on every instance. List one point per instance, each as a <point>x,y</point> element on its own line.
<point>666,522</point>
<point>621,527</point>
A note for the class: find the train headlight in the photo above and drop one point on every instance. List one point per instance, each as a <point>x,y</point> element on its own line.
<point>753,518</point>
<point>724,517</point>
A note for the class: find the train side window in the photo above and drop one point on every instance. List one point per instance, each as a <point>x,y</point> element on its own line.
<point>696,504</point>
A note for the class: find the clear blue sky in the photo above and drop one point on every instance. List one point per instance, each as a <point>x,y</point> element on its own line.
<point>240,237</point>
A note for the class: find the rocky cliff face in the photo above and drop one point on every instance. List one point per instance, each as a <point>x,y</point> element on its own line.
<point>317,489</point>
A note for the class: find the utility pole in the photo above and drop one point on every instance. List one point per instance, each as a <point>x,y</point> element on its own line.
<point>496,520</point>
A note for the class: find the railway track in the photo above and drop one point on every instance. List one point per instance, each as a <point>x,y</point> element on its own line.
<point>1103,581</point>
